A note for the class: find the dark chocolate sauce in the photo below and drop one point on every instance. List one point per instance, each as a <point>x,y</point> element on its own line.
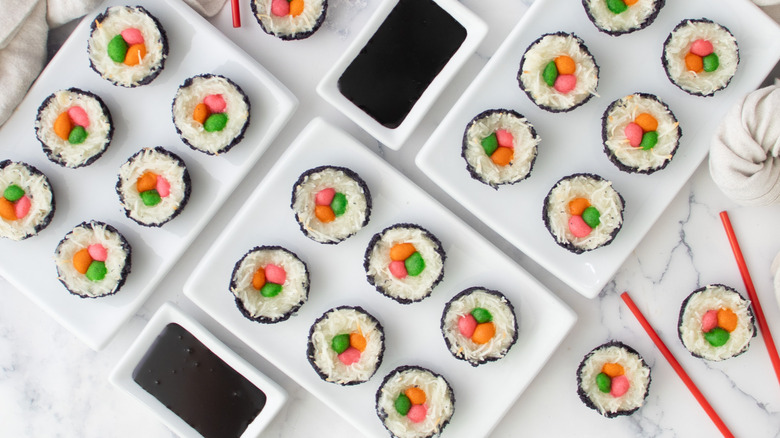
<point>409,49</point>
<point>198,386</point>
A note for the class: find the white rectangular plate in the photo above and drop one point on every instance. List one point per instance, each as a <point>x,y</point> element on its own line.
<point>571,142</point>
<point>412,332</point>
<point>142,118</point>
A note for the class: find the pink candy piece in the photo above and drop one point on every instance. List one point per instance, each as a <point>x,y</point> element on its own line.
<point>132,36</point>
<point>417,413</point>
<point>634,134</point>
<point>701,47</point>
<point>709,321</point>
<point>349,356</point>
<point>22,207</point>
<point>78,116</point>
<point>215,103</point>
<point>163,186</point>
<point>578,227</point>
<point>398,269</point>
<point>275,274</point>
<point>565,83</point>
<point>280,8</point>
<point>620,386</point>
<point>98,252</point>
<point>324,196</point>
<point>505,138</point>
<point>467,324</point>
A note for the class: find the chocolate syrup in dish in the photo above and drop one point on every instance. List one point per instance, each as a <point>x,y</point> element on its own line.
<point>190,380</point>
<point>395,67</point>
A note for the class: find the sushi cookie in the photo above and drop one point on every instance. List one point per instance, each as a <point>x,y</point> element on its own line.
<point>26,200</point>
<point>558,73</point>
<point>499,147</point>
<point>290,19</point>
<point>583,212</point>
<point>479,325</point>
<point>716,323</point>
<point>640,133</point>
<point>93,260</point>
<point>74,127</point>
<point>153,186</point>
<point>613,379</point>
<point>270,284</point>
<point>127,46</point>
<point>404,262</point>
<point>330,203</point>
<point>618,17</point>
<point>414,402</point>
<point>346,345</point>
<point>210,113</point>
<point>700,57</point>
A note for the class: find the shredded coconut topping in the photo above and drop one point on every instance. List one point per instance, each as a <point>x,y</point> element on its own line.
<point>631,18</point>
<point>438,401</point>
<point>150,160</point>
<point>35,187</point>
<point>289,25</point>
<point>636,371</point>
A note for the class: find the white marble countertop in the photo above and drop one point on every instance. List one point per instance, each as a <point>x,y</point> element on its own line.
<point>53,385</point>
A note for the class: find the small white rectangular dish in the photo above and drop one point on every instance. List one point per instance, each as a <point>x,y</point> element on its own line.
<point>571,142</point>
<point>142,118</point>
<point>412,333</point>
<point>394,138</point>
<point>122,374</point>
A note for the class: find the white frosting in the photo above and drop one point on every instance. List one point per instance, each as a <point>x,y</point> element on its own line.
<point>525,146</point>
<point>149,160</point>
<point>632,18</point>
<point>724,45</point>
<point>623,113</point>
<point>437,399</point>
<point>600,194</point>
<point>636,371</point>
<point>73,155</point>
<point>715,297</point>
<point>187,98</point>
<point>346,321</point>
<point>120,18</point>
<point>35,187</point>
<point>547,49</point>
<point>343,226</point>
<point>289,25</point>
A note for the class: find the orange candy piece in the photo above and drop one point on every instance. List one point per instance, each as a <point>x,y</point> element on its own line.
<point>82,260</point>
<point>694,63</point>
<point>646,122</point>
<point>503,156</point>
<point>135,54</point>
<point>401,251</point>
<point>296,7</point>
<point>416,395</point>
<point>358,341</point>
<point>324,213</point>
<point>565,65</point>
<point>7,210</point>
<point>613,369</point>
<point>484,333</point>
<point>63,125</point>
<point>258,280</point>
<point>147,181</point>
<point>578,205</point>
<point>630,2</point>
<point>201,113</point>
<point>727,320</point>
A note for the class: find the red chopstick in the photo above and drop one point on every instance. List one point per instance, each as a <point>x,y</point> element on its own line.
<point>677,367</point>
<point>751,290</point>
<point>236,13</point>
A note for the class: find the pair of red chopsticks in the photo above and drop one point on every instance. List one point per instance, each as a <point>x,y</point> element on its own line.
<point>236,13</point>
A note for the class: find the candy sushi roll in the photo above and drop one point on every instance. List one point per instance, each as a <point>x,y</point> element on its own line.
<point>414,402</point>
<point>583,212</point>
<point>613,379</point>
<point>479,325</point>
<point>270,283</point>
<point>211,113</point>
<point>346,345</point>
<point>330,203</point>
<point>26,200</point>
<point>93,260</point>
<point>558,73</point>
<point>127,46</point>
<point>290,19</point>
<point>74,127</point>
<point>618,17</point>
<point>154,186</point>
<point>499,147</point>
<point>716,323</point>
<point>700,57</point>
<point>640,133</point>
<point>404,262</point>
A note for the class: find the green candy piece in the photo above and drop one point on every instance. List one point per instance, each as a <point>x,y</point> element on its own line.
<point>340,343</point>
<point>150,198</point>
<point>481,315</point>
<point>96,271</point>
<point>414,264</point>
<point>550,73</point>
<point>403,404</point>
<point>616,6</point>
<point>711,62</point>
<point>649,140</point>
<point>77,135</point>
<point>216,122</point>
<point>603,382</point>
<point>339,204</point>
<point>717,337</point>
<point>13,193</point>
<point>270,290</point>
<point>490,144</point>
<point>591,216</point>
<point>117,49</point>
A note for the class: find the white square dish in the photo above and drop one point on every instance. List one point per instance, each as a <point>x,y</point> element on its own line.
<point>122,374</point>
<point>394,137</point>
